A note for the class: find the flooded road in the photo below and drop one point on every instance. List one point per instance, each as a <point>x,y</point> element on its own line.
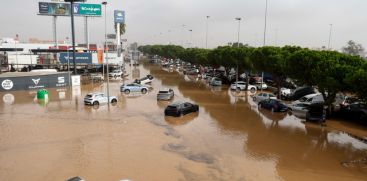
<point>229,139</point>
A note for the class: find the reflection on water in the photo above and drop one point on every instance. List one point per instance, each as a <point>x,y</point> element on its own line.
<point>230,139</point>
<point>177,121</point>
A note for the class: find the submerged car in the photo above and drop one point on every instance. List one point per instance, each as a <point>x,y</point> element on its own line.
<point>316,112</point>
<point>299,92</point>
<point>274,105</point>
<point>145,80</point>
<point>133,87</point>
<point>215,81</point>
<point>116,73</point>
<point>241,86</point>
<point>165,94</point>
<point>98,98</point>
<point>356,110</point>
<point>180,109</point>
<point>263,96</point>
<point>262,86</point>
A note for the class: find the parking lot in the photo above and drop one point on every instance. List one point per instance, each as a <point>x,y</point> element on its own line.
<point>230,138</point>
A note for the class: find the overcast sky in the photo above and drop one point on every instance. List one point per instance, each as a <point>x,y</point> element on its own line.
<point>290,22</point>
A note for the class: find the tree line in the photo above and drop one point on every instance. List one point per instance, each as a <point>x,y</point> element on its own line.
<point>330,71</point>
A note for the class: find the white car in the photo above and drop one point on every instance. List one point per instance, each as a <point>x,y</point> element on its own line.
<point>145,80</point>
<point>262,96</point>
<point>98,98</point>
<point>116,73</point>
<point>264,86</point>
<point>241,86</point>
<point>309,99</point>
<point>284,92</point>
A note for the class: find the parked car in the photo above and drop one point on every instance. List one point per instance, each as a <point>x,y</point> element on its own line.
<point>300,92</point>
<point>285,92</point>
<point>215,81</point>
<point>356,110</point>
<point>274,105</point>
<point>180,108</point>
<point>133,87</point>
<point>98,98</point>
<point>240,85</point>
<point>316,112</point>
<point>165,94</point>
<point>262,86</point>
<point>116,73</point>
<point>145,80</point>
<point>299,110</point>
<point>96,77</point>
<point>310,98</point>
<point>263,96</point>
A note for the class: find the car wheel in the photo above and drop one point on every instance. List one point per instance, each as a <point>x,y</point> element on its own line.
<point>144,91</point>
<point>260,106</point>
<point>197,108</point>
<point>238,89</point>
<point>252,89</point>
<point>95,103</point>
<point>127,91</point>
<point>115,76</point>
<point>113,101</point>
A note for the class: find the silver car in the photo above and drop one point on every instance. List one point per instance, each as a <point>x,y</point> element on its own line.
<point>262,96</point>
<point>165,94</point>
<point>98,98</point>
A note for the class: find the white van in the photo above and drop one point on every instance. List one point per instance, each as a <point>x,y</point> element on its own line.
<point>309,99</point>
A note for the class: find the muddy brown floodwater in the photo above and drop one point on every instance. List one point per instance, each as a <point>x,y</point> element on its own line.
<point>229,139</point>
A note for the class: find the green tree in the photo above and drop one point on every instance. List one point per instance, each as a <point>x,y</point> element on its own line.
<point>353,48</point>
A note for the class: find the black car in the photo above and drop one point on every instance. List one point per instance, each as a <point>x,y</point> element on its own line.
<point>273,105</point>
<point>299,92</point>
<point>316,112</point>
<point>356,110</point>
<point>180,108</point>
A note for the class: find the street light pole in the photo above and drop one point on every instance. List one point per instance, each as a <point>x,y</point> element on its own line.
<point>72,28</point>
<point>329,44</point>
<point>206,35</point>
<point>106,49</point>
<point>238,46</point>
<point>266,14</point>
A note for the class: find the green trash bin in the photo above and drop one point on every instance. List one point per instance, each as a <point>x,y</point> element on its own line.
<point>42,94</point>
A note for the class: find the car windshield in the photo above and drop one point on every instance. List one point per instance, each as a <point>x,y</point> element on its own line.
<point>163,92</point>
<point>88,96</point>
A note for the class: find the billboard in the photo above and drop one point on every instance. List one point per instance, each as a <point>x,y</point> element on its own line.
<point>119,16</point>
<point>34,82</point>
<point>63,9</point>
<point>80,58</point>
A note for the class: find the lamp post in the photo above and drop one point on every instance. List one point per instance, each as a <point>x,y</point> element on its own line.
<point>329,44</point>
<point>264,42</point>
<point>206,34</point>
<point>266,14</point>
<point>238,46</point>
<point>106,49</point>
<point>72,28</point>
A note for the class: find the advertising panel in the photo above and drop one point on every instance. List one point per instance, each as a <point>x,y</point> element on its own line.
<point>63,9</point>
<point>34,82</point>
<point>90,9</point>
<point>80,58</point>
<point>119,16</point>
